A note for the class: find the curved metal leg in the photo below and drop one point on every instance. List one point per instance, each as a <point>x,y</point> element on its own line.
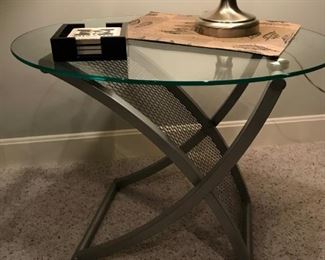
<point>203,189</point>
<point>125,181</point>
<point>155,226</point>
<point>220,143</point>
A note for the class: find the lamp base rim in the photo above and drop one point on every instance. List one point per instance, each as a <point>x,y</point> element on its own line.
<point>227,29</point>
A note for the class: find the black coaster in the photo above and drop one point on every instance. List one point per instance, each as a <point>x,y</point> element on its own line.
<point>66,48</point>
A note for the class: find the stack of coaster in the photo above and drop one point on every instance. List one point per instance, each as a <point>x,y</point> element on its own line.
<point>88,40</point>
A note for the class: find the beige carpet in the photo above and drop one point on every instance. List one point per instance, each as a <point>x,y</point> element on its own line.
<point>44,211</point>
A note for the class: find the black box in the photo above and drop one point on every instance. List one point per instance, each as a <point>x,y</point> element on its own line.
<point>65,49</point>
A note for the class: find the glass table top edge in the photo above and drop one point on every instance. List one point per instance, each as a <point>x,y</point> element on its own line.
<point>65,73</point>
<point>167,83</point>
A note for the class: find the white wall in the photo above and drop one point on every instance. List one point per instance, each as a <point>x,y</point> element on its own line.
<point>33,104</point>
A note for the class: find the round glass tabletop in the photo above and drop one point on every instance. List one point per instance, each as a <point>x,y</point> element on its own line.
<point>167,64</point>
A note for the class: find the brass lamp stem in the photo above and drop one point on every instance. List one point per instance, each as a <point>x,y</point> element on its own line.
<point>227,21</point>
<point>230,3</point>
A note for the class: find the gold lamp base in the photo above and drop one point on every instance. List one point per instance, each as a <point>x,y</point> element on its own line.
<point>228,21</point>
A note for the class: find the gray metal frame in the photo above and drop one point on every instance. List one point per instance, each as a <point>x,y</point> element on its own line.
<point>203,188</point>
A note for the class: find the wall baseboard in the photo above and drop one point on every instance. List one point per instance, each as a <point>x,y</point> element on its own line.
<point>110,145</point>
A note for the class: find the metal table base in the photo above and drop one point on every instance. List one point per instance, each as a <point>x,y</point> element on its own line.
<point>182,131</point>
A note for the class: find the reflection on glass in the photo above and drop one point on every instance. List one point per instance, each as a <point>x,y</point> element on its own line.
<point>278,67</point>
<point>224,67</point>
